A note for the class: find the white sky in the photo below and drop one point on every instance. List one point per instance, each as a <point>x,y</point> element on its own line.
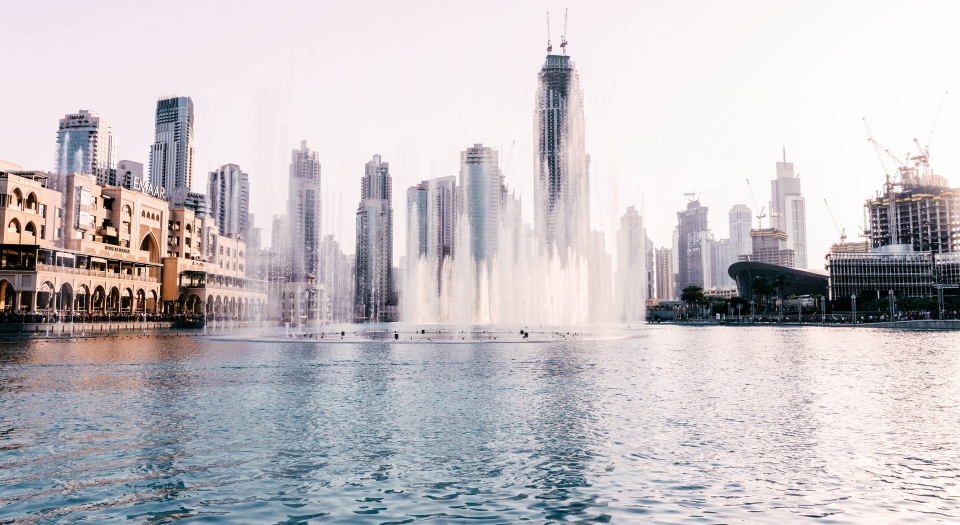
<point>679,96</point>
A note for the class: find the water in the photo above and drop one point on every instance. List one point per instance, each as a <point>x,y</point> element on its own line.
<point>680,425</point>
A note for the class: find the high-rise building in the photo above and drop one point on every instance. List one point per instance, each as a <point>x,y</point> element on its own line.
<point>722,255</point>
<point>788,210</point>
<point>740,225</point>
<point>631,267</point>
<point>561,165</point>
<point>431,216</point>
<point>375,299</point>
<point>171,156</point>
<point>692,234</point>
<point>337,278</point>
<point>129,171</point>
<point>86,145</point>
<point>481,185</point>
<point>770,246</point>
<point>228,191</point>
<point>665,273</point>
<point>926,218</point>
<point>303,212</point>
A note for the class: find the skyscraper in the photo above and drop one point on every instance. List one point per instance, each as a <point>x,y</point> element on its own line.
<point>481,185</point>
<point>86,145</point>
<point>561,165</point>
<point>431,215</point>
<point>740,224</point>
<point>228,191</point>
<point>303,212</point>
<point>374,297</point>
<point>171,156</point>
<point>665,273</point>
<point>692,234</point>
<point>788,210</point>
<point>631,267</point>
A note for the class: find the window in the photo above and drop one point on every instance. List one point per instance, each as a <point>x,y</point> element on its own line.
<point>126,227</point>
<point>43,211</point>
<point>43,231</point>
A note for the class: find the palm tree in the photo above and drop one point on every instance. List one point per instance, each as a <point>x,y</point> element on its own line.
<point>692,295</point>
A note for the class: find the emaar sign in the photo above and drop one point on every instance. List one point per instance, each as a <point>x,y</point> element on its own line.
<point>144,186</point>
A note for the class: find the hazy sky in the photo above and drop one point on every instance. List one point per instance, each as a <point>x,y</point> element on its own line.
<point>679,96</point>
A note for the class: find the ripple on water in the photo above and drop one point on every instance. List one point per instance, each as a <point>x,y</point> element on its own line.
<point>677,425</point>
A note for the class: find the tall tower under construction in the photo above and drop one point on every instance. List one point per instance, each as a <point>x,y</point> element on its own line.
<point>562,184</point>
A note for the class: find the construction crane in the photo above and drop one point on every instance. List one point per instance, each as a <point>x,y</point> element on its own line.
<point>905,172</point>
<point>692,194</point>
<point>760,215</point>
<point>933,127</point>
<point>563,37</point>
<point>549,45</point>
<point>509,156</point>
<point>842,232</point>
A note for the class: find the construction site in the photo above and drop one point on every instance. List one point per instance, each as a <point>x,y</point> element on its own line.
<point>911,231</point>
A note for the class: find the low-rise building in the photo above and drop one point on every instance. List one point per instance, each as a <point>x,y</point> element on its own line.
<point>98,251</point>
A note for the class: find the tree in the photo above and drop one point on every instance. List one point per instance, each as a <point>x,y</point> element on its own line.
<point>692,295</point>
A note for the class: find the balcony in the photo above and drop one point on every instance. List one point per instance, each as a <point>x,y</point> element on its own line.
<point>107,231</point>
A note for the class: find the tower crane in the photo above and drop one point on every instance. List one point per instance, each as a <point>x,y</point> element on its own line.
<point>563,37</point>
<point>905,172</point>
<point>842,232</point>
<point>760,215</point>
<point>549,45</point>
<point>692,194</point>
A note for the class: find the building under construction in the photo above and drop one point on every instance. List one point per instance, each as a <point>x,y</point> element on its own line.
<point>926,218</point>
<point>912,231</point>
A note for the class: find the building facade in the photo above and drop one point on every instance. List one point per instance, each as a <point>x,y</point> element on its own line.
<point>631,281</point>
<point>692,236</point>
<point>171,156</point>
<point>925,218</point>
<point>561,165</point>
<point>431,227</point>
<point>86,145</point>
<point>99,254</point>
<point>228,189</point>
<point>481,187</point>
<point>788,211</point>
<point>375,297</point>
<point>740,225</point>
<point>770,247</point>
<point>665,274</point>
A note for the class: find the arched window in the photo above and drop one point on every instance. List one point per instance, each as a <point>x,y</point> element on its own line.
<point>14,226</point>
<point>32,201</point>
<point>189,228</point>
<point>16,198</point>
<point>31,229</point>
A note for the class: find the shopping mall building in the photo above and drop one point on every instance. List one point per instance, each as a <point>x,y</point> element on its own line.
<point>71,245</point>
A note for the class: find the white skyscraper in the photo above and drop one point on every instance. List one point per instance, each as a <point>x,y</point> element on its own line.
<point>740,224</point>
<point>788,210</point>
<point>481,185</point>
<point>303,211</point>
<point>86,145</point>
<point>228,194</point>
<point>631,280</point>
<point>171,156</point>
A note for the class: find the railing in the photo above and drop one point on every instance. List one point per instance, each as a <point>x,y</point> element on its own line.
<point>95,273</point>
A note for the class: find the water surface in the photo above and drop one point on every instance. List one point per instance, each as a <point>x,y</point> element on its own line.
<point>679,425</point>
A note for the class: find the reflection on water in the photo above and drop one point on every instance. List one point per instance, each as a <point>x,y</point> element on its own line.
<point>680,424</point>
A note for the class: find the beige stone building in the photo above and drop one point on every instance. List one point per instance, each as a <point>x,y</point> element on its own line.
<point>105,250</point>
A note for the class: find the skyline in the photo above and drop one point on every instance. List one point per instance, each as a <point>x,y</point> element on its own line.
<point>701,114</point>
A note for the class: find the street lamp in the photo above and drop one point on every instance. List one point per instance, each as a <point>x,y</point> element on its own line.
<point>853,302</point>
